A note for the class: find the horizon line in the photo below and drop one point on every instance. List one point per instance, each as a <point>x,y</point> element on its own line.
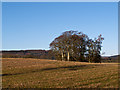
<point>40,49</point>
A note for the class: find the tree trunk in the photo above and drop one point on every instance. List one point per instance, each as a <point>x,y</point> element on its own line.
<point>68,57</point>
<point>89,60</point>
<point>62,56</point>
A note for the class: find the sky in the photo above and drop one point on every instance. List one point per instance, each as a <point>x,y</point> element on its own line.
<point>34,25</point>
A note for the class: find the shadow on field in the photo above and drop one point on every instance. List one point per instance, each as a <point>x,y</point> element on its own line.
<point>68,67</point>
<point>76,67</point>
<point>10,74</point>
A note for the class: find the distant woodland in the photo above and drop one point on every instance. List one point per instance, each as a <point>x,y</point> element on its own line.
<point>39,54</point>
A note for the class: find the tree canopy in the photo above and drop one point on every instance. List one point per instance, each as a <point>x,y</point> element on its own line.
<point>76,46</point>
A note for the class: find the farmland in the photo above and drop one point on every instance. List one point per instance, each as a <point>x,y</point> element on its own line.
<point>43,73</point>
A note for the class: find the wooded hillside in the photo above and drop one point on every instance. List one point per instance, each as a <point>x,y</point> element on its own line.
<point>41,54</point>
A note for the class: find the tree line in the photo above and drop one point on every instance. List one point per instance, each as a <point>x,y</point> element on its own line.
<point>38,54</point>
<point>77,46</point>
